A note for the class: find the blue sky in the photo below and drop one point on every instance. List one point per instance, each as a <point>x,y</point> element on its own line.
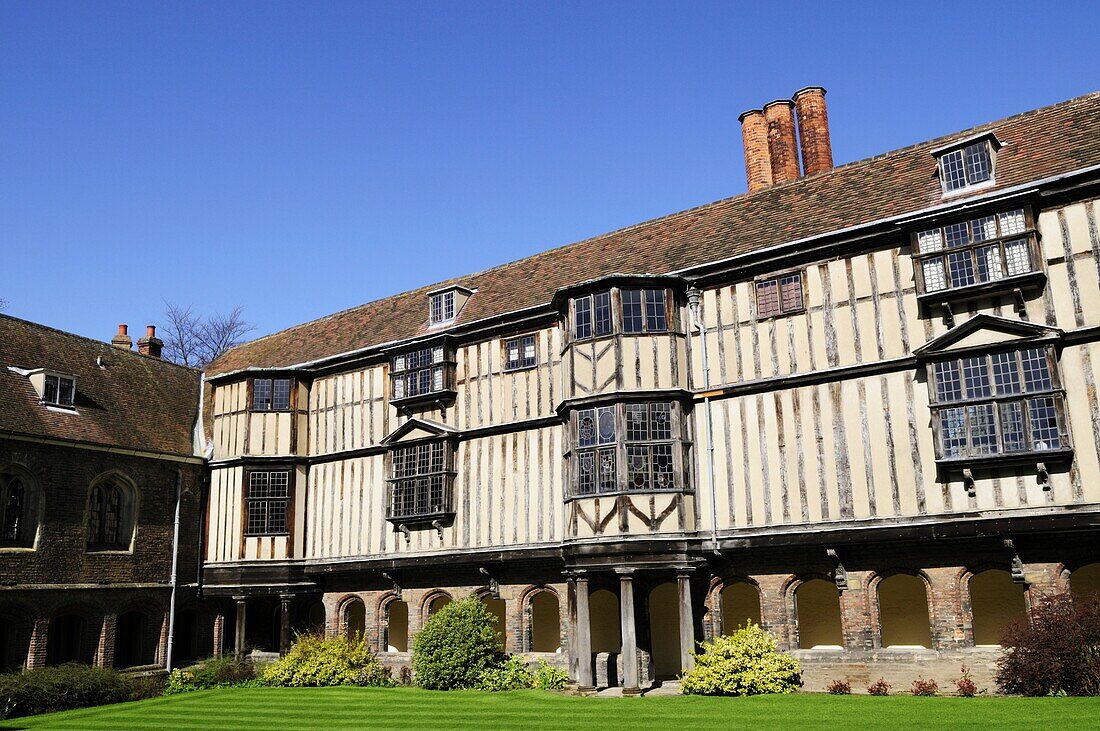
<point>301,158</point>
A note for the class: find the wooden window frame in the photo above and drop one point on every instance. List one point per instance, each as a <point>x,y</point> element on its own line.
<point>288,514</point>
<point>446,475</point>
<point>777,279</point>
<point>1056,393</point>
<point>57,402</point>
<point>1035,277</point>
<point>291,397</point>
<point>521,364</point>
<point>616,314</point>
<point>679,442</point>
<point>991,147</point>
<point>443,298</point>
<point>448,390</point>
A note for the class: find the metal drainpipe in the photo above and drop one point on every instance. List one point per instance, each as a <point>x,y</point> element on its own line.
<point>172,579</point>
<point>694,299</point>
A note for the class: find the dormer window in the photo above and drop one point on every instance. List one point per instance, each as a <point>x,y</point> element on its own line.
<point>442,307</point>
<point>59,391</point>
<point>967,165</point>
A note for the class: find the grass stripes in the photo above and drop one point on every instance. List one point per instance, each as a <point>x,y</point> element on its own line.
<point>330,709</point>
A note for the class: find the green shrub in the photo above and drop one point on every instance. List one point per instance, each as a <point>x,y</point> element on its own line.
<point>214,672</point>
<point>511,674</point>
<point>61,688</point>
<point>314,661</point>
<point>148,686</point>
<point>548,677</point>
<point>457,645</point>
<point>744,663</point>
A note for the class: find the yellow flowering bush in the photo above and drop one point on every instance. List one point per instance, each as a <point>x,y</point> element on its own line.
<point>744,663</point>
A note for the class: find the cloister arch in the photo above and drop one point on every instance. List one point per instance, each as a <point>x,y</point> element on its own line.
<point>817,607</point>
<point>396,617</point>
<point>543,621</point>
<point>995,601</point>
<point>135,639</point>
<point>740,603</point>
<point>434,602</point>
<point>354,615</point>
<point>1085,580</point>
<point>69,639</point>
<point>499,610</point>
<point>903,611</point>
<point>664,629</point>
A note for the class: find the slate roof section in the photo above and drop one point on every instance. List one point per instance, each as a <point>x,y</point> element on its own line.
<point>135,402</point>
<point>1037,144</point>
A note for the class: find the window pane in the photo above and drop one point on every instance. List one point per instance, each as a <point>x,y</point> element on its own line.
<point>49,394</point>
<point>276,516</point>
<point>437,378</point>
<point>983,229</point>
<point>65,391</point>
<point>935,277</point>
<point>790,290</point>
<point>767,298</point>
<point>586,428</point>
<point>979,167</point>
<point>449,306</point>
<point>528,351</point>
<point>1044,424</point>
<point>606,416</point>
<point>632,310</point>
<point>951,167</point>
<point>637,465</point>
<point>957,235</point>
<point>662,466</point>
<point>280,484</point>
<point>931,240</point>
<point>261,394</point>
<point>976,375</point>
<point>582,318</point>
<point>1006,373</point>
<point>961,265</point>
<point>1018,257</point>
<point>436,311</point>
<point>660,423</point>
<point>948,381</point>
<point>1036,370</point>
<point>1012,426</point>
<point>586,473</point>
<point>257,517</point>
<point>603,313</point>
<point>656,319</point>
<point>983,429</point>
<point>953,432</point>
<point>1012,222</point>
<point>989,263</point>
<point>637,423</point>
<point>12,508</point>
<point>258,484</point>
<point>607,470</point>
<point>281,398</point>
<point>511,354</point>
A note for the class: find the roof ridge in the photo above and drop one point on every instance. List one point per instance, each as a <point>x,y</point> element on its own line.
<point>99,343</point>
<point>694,210</point>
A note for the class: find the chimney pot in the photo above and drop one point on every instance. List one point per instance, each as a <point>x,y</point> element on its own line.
<point>782,144</point>
<point>754,135</point>
<point>122,340</point>
<point>150,345</point>
<point>813,129</point>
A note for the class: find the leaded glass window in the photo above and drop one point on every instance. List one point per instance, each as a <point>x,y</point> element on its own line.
<point>966,166</point>
<point>647,448</point>
<point>519,353</point>
<point>978,251</point>
<point>419,481</point>
<point>266,502</point>
<point>420,372</point>
<point>271,394</point>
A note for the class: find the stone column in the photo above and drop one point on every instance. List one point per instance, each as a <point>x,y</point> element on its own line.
<point>105,648</point>
<point>630,638</point>
<point>219,633</point>
<point>239,644</point>
<point>284,623</point>
<point>582,631</point>
<point>687,620</point>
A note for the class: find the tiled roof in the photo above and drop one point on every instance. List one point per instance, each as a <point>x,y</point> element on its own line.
<point>1038,144</point>
<point>134,402</point>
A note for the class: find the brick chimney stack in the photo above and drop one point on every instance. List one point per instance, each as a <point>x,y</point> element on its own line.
<point>122,341</point>
<point>782,144</point>
<point>150,344</point>
<point>758,162</point>
<point>813,130</point>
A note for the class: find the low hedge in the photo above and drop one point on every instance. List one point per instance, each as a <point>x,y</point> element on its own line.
<point>62,688</point>
<point>214,672</point>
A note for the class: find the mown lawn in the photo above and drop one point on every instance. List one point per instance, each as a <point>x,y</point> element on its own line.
<point>288,709</point>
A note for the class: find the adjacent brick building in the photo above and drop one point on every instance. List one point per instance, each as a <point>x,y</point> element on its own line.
<point>96,443</point>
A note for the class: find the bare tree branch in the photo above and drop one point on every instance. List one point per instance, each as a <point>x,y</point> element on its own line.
<point>3,304</point>
<point>194,340</point>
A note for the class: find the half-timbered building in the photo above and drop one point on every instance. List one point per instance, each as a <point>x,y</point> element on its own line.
<point>857,405</point>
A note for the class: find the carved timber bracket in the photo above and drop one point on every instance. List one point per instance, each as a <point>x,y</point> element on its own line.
<point>968,482</point>
<point>840,574</point>
<point>1018,300</point>
<point>1042,476</point>
<point>395,581</point>
<point>494,585</point>
<point>948,315</point>
<point>404,529</point>
<point>1017,566</point>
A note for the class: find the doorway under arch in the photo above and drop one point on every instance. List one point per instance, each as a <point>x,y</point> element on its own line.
<point>664,630</point>
<point>603,615</point>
